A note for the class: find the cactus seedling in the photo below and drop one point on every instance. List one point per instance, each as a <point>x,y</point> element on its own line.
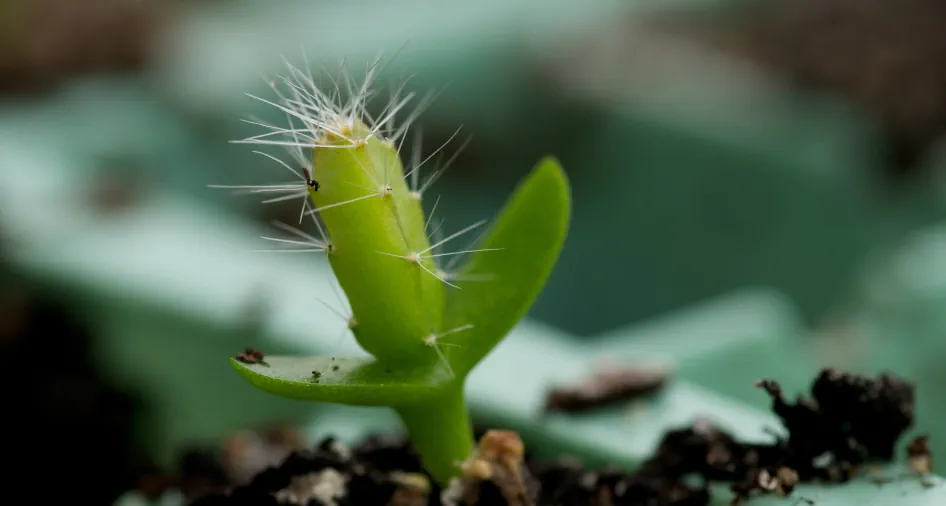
<point>424,327</point>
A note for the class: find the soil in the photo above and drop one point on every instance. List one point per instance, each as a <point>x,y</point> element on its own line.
<point>920,456</point>
<point>45,42</point>
<point>847,423</point>
<point>887,57</point>
<point>608,386</point>
<point>59,412</point>
<point>251,356</point>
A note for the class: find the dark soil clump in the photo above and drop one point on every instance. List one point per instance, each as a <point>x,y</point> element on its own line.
<point>60,414</point>
<point>848,421</point>
<point>607,387</point>
<point>920,456</point>
<point>251,356</point>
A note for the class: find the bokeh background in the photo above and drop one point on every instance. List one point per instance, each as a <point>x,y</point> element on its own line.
<point>784,157</point>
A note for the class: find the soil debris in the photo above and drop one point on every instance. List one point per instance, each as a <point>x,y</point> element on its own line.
<point>781,483</point>
<point>203,471</point>
<point>386,472</point>
<point>382,471</point>
<point>498,461</point>
<point>200,472</point>
<point>846,424</point>
<point>248,452</point>
<point>848,421</point>
<point>251,356</point>
<point>413,489</point>
<point>324,486</point>
<point>609,386</point>
<point>920,465</point>
<point>920,457</point>
<point>60,408</point>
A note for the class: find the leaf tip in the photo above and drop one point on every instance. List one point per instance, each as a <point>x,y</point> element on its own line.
<point>550,169</point>
<point>550,166</point>
<point>550,160</point>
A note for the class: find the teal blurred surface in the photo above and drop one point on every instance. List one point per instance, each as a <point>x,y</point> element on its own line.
<point>684,188</point>
<point>680,198</point>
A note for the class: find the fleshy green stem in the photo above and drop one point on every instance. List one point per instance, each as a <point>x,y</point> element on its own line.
<point>380,251</point>
<point>373,230</point>
<point>440,431</point>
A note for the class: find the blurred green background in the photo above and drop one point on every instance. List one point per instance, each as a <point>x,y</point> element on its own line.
<point>795,205</point>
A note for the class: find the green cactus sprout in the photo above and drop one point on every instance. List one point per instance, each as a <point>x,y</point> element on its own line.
<point>425,328</point>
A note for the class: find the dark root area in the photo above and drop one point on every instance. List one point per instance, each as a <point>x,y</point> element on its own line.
<point>59,409</point>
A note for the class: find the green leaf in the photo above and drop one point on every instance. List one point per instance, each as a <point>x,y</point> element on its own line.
<point>353,381</point>
<point>531,230</point>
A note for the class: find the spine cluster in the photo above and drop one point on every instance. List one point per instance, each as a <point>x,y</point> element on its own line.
<point>367,208</point>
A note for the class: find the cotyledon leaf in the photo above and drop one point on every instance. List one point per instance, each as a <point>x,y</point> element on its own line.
<point>353,381</point>
<point>530,231</point>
